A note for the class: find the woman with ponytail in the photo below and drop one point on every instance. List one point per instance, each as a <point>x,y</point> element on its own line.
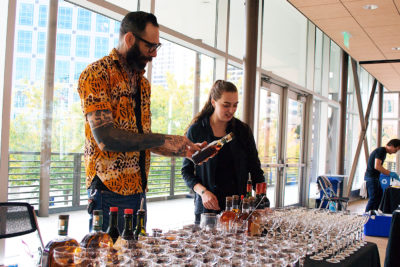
<point>227,173</point>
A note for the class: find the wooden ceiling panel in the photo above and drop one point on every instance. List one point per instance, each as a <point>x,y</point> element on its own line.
<point>373,32</point>
<point>325,11</point>
<point>302,3</point>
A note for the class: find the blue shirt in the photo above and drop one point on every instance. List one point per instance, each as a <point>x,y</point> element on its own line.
<point>379,153</point>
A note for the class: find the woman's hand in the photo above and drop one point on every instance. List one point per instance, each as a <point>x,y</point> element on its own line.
<point>210,201</point>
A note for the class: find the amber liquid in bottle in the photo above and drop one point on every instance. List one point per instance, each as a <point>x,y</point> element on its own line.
<point>228,216</point>
<point>97,238</point>
<point>211,149</point>
<point>60,241</point>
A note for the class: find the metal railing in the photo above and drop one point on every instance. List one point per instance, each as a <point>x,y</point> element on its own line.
<point>67,179</point>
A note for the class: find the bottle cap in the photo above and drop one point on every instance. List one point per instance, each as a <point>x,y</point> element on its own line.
<point>97,212</point>
<point>128,211</point>
<point>63,217</point>
<point>235,197</point>
<point>114,209</point>
<point>241,197</point>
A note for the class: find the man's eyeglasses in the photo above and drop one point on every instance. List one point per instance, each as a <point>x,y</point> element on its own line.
<point>151,46</point>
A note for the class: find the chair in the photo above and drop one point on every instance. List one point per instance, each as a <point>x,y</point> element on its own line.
<point>329,195</point>
<point>18,218</point>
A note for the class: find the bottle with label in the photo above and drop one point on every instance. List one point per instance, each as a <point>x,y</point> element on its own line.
<point>228,216</point>
<point>249,187</point>
<point>61,240</point>
<point>211,149</point>
<point>97,238</point>
<point>140,224</point>
<point>113,225</point>
<point>127,237</point>
<point>235,204</point>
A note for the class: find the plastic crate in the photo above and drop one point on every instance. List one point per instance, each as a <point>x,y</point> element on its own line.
<point>378,226</point>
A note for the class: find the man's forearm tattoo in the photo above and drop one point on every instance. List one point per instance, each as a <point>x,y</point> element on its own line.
<point>99,118</point>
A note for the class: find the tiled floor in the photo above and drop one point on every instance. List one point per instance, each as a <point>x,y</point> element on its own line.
<point>162,214</point>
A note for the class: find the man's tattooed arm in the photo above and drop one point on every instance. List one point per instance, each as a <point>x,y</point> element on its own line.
<point>109,138</point>
<point>176,146</point>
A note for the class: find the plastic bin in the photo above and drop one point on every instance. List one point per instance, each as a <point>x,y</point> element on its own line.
<point>384,180</point>
<point>378,226</point>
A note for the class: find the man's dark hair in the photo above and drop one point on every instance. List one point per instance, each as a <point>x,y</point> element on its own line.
<point>394,143</point>
<point>136,22</point>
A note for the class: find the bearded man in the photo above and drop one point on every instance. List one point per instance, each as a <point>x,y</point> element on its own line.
<point>115,99</point>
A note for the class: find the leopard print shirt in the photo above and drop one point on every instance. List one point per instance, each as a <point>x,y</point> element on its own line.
<point>105,85</point>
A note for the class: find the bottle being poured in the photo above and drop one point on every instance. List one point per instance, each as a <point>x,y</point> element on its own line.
<point>212,149</point>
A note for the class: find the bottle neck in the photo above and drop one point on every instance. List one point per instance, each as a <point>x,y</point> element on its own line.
<point>228,206</point>
<point>62,227</point>
<point>97,223</point>
<point>140,220</point>
<point>128,223</point>
<point>113,219</point>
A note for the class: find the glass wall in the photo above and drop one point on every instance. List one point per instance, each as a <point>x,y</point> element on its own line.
<point>284,26</point>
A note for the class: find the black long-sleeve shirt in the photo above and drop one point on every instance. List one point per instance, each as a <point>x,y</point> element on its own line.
<point>243,152</point>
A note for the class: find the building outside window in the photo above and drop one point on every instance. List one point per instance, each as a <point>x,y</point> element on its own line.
<point>79,67</point>
<point>101,47</point>
<point>63,44</point>
<point>42,22</point>
<point>102,23</point>
<point>82,46</point>
<point>22,68</point>
<point>61,72</point>
<point>39,69</point>
<point>64,19</point>
<point>83,19</point>
<point>25,14</point>
<point>24,42</point>
<point>41,43</point>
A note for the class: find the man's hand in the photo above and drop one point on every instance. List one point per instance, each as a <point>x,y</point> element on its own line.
<point>177,146</point>
<point>210,201</point>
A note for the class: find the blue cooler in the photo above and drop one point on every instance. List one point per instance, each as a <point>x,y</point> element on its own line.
<point>378,226</point>
<point>385,181</point>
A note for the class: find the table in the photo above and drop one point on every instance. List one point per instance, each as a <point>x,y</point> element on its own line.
<point>390,200</point>
<point>364,257</point>
<point>392,258</point>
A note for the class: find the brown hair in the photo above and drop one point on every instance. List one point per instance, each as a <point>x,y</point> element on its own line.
<point>218,88</point>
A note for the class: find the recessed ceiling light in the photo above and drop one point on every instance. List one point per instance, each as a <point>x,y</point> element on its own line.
<point>396,48</point>
<point>370,7</point>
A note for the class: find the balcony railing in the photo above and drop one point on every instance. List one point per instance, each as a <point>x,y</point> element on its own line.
<point>67,179</point>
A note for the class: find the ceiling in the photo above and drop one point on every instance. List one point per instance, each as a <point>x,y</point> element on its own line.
<point>373,33</point>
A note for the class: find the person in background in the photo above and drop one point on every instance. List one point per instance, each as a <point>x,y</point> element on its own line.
<point>115,99</point>
<point>225,174</point>
<point>374,169</point>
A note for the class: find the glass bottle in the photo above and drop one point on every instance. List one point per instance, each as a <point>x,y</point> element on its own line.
<point>235,203</point>
<point>127,233</point>
<point>211,149</point>
<point>140,225</point>
<point>228,216</point>
<point>266,202</point>
<point>112,229</point>
<point>97,238</point>
<point>244,220</point>
<point>258,203</point>
<point>61,240</point>
<point>249,187</point>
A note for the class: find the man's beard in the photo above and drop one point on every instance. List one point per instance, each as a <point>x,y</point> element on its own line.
<point>135,59</point>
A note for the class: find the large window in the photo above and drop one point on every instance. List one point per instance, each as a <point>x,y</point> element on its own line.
<point>22,68</point>
<point>41,43</point>
<point>61,72</point>
<point>334,71</point>
<point>284,26</point>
